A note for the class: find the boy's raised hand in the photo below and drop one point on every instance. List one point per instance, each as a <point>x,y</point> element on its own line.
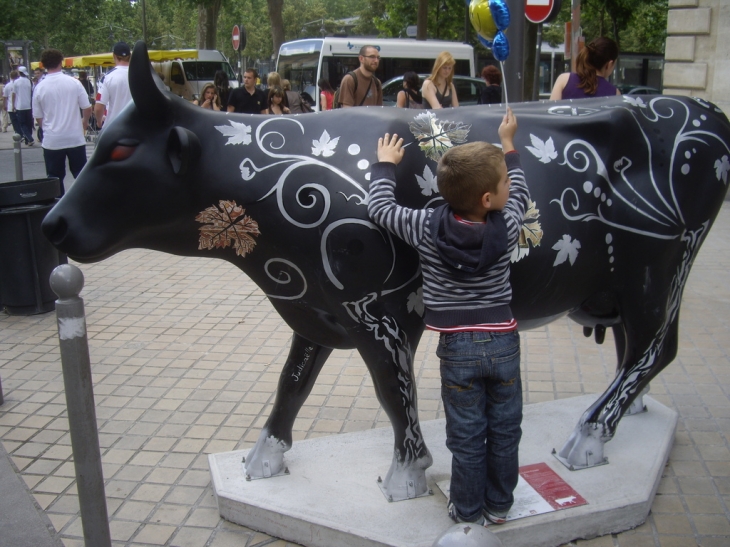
<point>507,130</point>
<point>390,149</point>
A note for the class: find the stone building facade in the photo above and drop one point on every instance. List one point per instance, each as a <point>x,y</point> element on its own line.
<point>697,52</point>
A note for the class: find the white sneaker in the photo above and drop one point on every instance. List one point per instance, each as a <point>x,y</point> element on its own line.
<point>494,519</point>
<point>481,521</point>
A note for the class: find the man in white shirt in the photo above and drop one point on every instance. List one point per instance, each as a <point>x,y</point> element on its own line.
<point>113,93</point>
<point>56,104</point>
<point>22,91</point>
<point>7,105</point>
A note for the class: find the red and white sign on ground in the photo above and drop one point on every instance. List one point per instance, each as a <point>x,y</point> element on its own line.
<point>539,490</point>
<point>236,37</point>
<point>550,486</point>
<point>541,11</point>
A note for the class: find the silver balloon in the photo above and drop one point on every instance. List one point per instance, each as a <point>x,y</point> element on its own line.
<point>466,534</point>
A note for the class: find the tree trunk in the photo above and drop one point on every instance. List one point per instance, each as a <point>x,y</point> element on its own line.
<point>208,24</point>
<point>277,23</point>
<point>202,26</point>
<point>422,20</point>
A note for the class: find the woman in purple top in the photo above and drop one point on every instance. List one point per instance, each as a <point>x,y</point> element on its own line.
<point>593,66</point>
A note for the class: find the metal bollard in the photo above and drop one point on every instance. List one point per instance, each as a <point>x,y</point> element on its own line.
<point>18,157</point>
<point>67,282</point>
<point>1,392</point>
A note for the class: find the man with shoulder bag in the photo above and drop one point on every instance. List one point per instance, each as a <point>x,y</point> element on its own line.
<point>361,87</point>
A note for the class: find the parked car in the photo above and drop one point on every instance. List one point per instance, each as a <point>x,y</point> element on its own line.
<point>468,89</point>
<point>627,89</point>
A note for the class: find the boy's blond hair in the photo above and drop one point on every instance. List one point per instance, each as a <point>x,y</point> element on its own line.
<point>467,172</point>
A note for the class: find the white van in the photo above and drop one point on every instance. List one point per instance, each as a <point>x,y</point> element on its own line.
<point>304,62</point>
<point>186,77</point>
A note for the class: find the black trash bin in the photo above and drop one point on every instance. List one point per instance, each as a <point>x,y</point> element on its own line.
<point>27,258</point>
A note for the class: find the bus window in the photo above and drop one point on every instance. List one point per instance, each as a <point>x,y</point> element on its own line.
<point>335,68</point>
<point>299,69</point>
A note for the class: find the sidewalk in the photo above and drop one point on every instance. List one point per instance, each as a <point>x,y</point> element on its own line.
<point>33,165</point>
<point>186,355</point>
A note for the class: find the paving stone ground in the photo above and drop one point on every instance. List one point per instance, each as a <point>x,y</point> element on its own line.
<point>186,355</point>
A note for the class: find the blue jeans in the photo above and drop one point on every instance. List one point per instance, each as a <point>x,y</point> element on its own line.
<point>482,393</point>
<point>56,162</point>
<point>14,121</point>
<point>25,120</point>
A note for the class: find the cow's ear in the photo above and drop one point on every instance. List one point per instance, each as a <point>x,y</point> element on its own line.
<point>183,149</point>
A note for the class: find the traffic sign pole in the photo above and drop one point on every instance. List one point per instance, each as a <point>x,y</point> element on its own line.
<point>539,12</point>
<point>575,32</point>
<point>536,74</point>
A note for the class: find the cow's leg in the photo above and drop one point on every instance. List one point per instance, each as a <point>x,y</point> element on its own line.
<point>598,424</point>
<point>297,378</point>
<point>387,348</point>
<point>649,341</point>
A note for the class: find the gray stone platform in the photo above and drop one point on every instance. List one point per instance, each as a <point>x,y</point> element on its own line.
<point>331,497</point>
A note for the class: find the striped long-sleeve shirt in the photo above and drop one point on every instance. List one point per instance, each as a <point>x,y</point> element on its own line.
<point>452,299</point>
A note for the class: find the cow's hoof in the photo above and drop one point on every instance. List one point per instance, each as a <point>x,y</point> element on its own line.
<point>584,448</point>
<point>407,480</point>
<point>266,458</point>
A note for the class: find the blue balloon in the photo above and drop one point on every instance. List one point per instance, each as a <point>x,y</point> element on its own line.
<point>500,13</point>
<point>486,43</point>
<point>500,47</point>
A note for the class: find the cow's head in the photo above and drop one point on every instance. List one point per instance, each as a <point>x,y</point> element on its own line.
<point>140,177</point>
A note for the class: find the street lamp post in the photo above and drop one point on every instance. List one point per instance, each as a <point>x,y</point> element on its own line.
<point>322,30</point>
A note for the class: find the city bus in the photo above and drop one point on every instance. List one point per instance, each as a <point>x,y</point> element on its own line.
<point>304,62</point>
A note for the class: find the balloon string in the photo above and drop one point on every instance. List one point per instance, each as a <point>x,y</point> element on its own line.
<point>504,84</point>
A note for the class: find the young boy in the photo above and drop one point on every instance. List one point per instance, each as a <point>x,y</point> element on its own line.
<point>464,248</point>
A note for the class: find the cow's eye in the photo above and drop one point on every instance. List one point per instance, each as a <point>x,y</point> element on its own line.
<point>122,152</point>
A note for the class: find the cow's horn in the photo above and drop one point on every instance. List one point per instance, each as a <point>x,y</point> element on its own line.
<point>148,91</point>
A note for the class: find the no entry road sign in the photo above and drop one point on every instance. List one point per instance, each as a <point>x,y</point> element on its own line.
<point>541,11</point>
<point>236,37</point>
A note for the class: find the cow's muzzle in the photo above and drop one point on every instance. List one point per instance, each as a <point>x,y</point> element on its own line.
<point>55,228</point>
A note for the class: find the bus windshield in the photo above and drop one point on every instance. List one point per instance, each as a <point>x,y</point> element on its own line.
<point>298,63</point>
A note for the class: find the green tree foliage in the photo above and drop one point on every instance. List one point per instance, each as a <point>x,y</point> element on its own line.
<point>390,18</point>
<point>250,14</point>
<point>48,23</point>
<point>636,25</point>
<point>79,27</point>
<point>647,31</point>
<point>253,15</point>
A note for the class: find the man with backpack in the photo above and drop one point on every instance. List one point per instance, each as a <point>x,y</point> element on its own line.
<point>360,87</point>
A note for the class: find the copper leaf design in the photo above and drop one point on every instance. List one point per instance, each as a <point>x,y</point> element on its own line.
<point>531,229</point>
<point>225,225</point>
<point>436,137</point>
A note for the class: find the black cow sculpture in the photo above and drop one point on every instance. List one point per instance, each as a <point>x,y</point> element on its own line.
<point>624,192</point>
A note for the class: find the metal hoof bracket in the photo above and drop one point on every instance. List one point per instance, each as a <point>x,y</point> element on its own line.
<point>406,491</point>
<point>267,474</point>
<point>591,460</point>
